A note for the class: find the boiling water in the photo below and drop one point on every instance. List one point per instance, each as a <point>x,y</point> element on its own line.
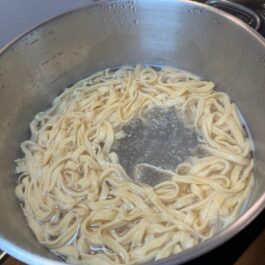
<point>153,147</point>
<point>156,144</point>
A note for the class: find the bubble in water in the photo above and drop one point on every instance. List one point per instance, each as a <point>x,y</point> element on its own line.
<point>161,140</point>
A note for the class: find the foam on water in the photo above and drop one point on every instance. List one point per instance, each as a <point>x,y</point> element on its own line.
<point>161,139</point>
<point>157,144</point>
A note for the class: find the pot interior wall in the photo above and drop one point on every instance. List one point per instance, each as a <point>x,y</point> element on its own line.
<point>37,67</point>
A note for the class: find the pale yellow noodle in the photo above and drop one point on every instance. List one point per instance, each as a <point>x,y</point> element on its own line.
<point>80,203</point>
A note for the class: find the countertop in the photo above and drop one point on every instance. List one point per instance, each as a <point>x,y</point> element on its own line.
<point>17,16</point>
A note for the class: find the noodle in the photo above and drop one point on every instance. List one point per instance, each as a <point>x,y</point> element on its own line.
<point>79,201</point>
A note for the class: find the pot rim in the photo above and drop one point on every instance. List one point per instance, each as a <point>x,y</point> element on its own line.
<point>205,246</point>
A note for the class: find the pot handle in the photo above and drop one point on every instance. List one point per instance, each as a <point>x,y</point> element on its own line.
<point>245,14</point>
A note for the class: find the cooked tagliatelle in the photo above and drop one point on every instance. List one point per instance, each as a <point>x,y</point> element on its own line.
<point>80,203</point>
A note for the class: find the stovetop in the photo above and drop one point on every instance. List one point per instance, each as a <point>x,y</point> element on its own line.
<point>260,10</point>
<point>257,9</point>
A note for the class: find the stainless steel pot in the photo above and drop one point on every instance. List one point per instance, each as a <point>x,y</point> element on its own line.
<point>200,39</point>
